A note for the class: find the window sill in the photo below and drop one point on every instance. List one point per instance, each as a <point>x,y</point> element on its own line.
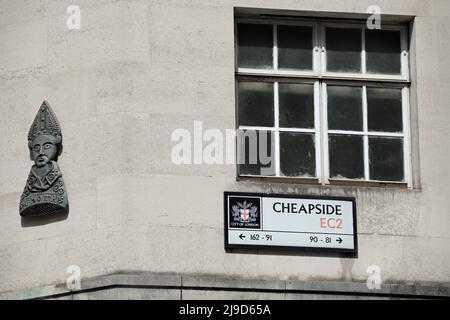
<point>315,181</point>
<point>378,184</point>
<point>269,179</point>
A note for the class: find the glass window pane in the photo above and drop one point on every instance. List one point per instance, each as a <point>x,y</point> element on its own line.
<point>383,50</point>
<point>255,152</point>
<point>386,159</point>
<point>297,154</point>
<point>255,100</point>
<point>384,108</point>
<point>296,104</point>
<point>295,47</point>
<point>343,49</point>
<point>255,46</point>
<point>345,108</point>
<point>346,157</point>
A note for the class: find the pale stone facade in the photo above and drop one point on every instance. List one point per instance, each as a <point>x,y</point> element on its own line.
<point>136,71</point>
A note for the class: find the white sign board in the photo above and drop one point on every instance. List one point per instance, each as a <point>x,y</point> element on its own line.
<point>287,221</point>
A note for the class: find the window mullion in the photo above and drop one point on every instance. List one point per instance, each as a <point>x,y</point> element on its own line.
<point>322,50</point>
<point>324,129</point>
<point>404,54</point>
<point>318,137</point>
<point>277,128</point>
<point>363,51</point>
<point>366,137</point>
<point>316,49</point>
<point>407,137</point>
<point>275,47</point>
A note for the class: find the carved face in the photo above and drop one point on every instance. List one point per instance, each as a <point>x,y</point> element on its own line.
<point>43,150</point>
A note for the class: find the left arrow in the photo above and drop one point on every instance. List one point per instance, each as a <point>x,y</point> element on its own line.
<point>241,236</point>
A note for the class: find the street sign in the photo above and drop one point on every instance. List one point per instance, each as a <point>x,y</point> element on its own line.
<point>274,221</point>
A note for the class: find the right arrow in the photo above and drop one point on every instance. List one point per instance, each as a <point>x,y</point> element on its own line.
<point>339,240</point>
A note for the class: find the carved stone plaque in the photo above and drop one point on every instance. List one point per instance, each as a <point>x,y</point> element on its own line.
<point>44,192</point>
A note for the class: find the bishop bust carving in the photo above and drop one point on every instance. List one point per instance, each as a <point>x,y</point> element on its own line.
<point>44,192</point>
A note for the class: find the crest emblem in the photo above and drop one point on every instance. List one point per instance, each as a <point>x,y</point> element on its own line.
<point>244,212</point>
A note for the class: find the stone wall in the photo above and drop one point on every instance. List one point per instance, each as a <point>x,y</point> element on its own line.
<point>137,70</point>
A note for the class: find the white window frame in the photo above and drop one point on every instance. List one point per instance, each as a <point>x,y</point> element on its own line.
<point>321,78</point>
<point>276,129</point>
<point>404,72</point>
<point>365,133</point>
<point>283,72</point>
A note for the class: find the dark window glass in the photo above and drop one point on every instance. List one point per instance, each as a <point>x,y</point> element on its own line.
<point>294,47</point>
<point>297,154</point>
<point>345,108</point>
<point>386,159</point>
<point>343,49</point>
<point>296,103</point>
<point>346,156</point>
<point>383,51</point>
<point>255,152</point>
<point>384,109</point>
<point>255,100</point>
<point>255,46</point>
